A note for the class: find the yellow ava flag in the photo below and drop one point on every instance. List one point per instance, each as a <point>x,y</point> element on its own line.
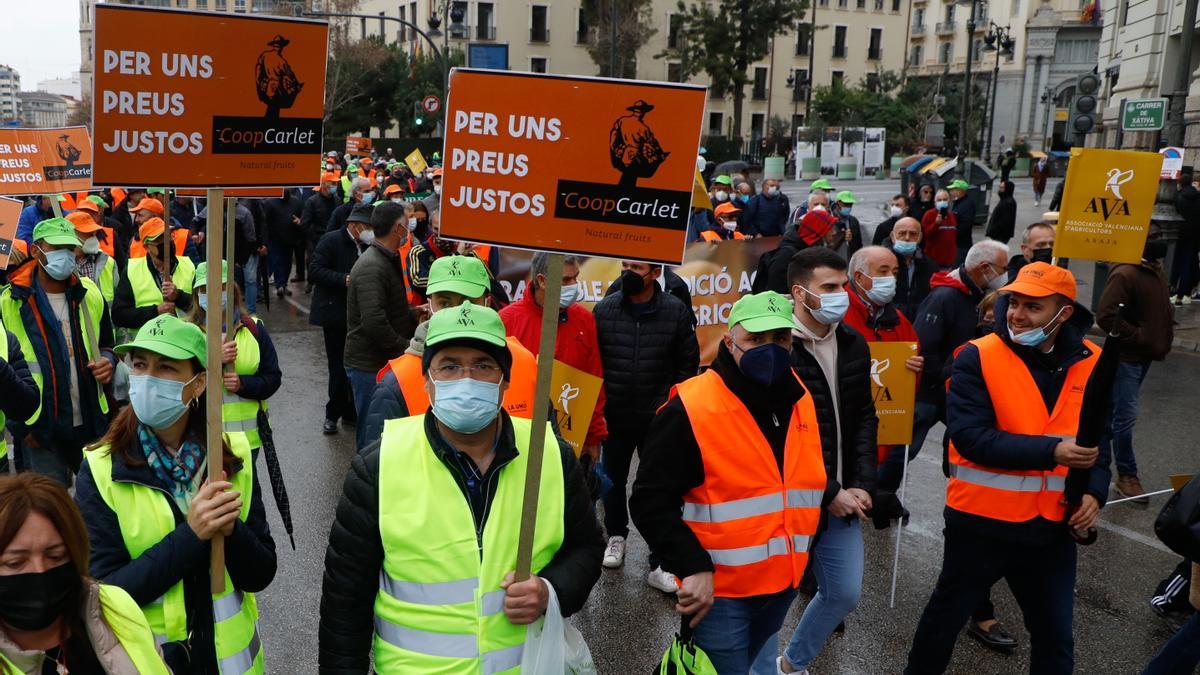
<point>415,161</point>
<point>700,198</point>
<point>894,388</point>
<point>1106,206</point>
<point>574,394</point>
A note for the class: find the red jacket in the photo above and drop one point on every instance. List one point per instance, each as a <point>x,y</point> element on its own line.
<point>576,346</point>
<point>941,241</point>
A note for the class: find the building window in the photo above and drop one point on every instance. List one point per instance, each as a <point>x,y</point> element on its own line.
<point>977,51</point>
<point>836,77</point>
<point>797,122</point>
<point>485,21</point>
<point>878,5</point>
<point>803,35</point>
<point>239,6</point>
<point>458,17</point>
<point>895,5</point>
<point>875,46</point>
<point>674,72</point>
<point>402,13</point>
<point>860,4</point>
<point>581,27</point>
<point>916,55</point>
<point>919,17</point>
<point>842,4</point>
<point>539,30</point>
<point>715,120</point>
<point>800,84</point>
<point>674,28</point>
<point>757,120</point>
<point>1015,8</point>
<point>537,64</point>
<point>839,42</point>
<point>872,81</point>
<point>945,50</point>
<point>950,13</point>
<point>759,92</point>
<point>219,5</point>
<point>181,3</point>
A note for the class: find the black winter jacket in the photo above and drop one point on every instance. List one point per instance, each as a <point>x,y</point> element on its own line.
<point>332,260</point>
<point>675,284</point>
<point>856,410</point>
<point>377,314</point>
<point>944,321</point>
<point>21,395</point>
<point>910,293</point>
<point>126,314</point>
<point>355,554</point>
<point>314,217</point>
<point>772,266</point>
<point>643,356</point>
<point>180,556</point>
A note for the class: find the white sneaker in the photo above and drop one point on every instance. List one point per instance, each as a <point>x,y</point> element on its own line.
<point>662,580</point>
<point>615,555</point>
<point>780,671</point>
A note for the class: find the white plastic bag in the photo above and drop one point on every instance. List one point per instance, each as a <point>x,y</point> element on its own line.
<point>552,647</point>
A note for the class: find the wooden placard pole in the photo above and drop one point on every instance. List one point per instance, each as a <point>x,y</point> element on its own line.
<point>541,410</point>
<point>168,240</point>
<point>230,241</point>
<point>55,206</point>
<point>212,329</point>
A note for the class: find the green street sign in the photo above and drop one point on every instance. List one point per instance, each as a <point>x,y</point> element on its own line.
<point>1144,114</point>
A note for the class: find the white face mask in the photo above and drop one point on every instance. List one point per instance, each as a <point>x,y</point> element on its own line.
<point>729,225</point>
<point>397,200</point>
<point>412,224</point>
<point>772,191</point>
<point>366,236</point>
<point>721,196</point>
<point>437,188</point>
<point>896,211</point>
<point>91,246</point>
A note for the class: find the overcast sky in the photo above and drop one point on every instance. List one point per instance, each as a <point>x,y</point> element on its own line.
<point>41,39</point>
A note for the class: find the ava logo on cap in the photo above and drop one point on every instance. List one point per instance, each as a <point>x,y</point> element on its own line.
<point>454,271</point>
<point>155,329</point>
<point>464,316</point>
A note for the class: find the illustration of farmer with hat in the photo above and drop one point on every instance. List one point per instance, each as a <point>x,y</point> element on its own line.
<point>66,151</point>
<point>633,149</point>
<point>277,84</point>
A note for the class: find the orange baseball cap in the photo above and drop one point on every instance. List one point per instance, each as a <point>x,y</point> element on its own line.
<point>726,208</point>
<point>82,222</point>
<point>151,228</point>
<point>152,205</point>
<point>393,189</point>
<point>329,177</point>
<point>437,173</point>
<point>20,245</point>
<point>1040,280</point>
<point>87,205</point>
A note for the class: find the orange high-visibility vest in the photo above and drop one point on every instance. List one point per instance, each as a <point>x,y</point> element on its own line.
<point>709,235</point>
<point>179,235</point>
<point>518,400</point>
<point>1005,494</point>
<point>404,250</point>
<point>106,244</point>
<point>756,525</point>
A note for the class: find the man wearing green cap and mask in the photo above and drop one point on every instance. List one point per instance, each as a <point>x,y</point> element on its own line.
<point>849,229</point>
<point>739,442</point>
<point>420,558</point>
<point>720,189</point>
<point>56,316</point>
<point>964,213</point>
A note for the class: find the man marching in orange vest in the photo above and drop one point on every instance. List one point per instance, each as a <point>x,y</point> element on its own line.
<point>400,389</point>
<point>1012,412</point>
<point>731,485</point>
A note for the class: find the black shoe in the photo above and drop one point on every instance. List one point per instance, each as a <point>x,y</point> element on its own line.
<point>329,428</point>
<point>994,638</point>
<point>279,292</point>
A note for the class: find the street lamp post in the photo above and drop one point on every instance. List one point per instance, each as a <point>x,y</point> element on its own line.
<point>963,139</point>
<point>1047,99</point>
<point>1000,41</point>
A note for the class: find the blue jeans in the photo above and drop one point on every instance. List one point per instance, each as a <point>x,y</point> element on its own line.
<point>362,385</point>
<point>1181,654</point>
<point>735,629</point>
<point>1124,414</point>
<point>1042,579</point>
<point>279,255</point>
<point>250,283</point>
<point>837,562</point>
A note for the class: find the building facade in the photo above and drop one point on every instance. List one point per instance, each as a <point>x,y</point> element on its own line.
<point>63,86</point>
<point>40,109</point>
<point>1140,57</point>
<point>855,40</point>
<point>1033,85</point>
<point>10,90</point>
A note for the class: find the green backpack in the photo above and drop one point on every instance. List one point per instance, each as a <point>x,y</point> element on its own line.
<point>683,657</point>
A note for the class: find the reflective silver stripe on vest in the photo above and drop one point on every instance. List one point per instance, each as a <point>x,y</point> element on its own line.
<point>1005,481</point>
<point>733,510</point>
<point>229,397</point>
<point>240,425</point>
<point>503,659</point>
<point>438,593</point>
<point>448,645</point>
<point>493,603</point>
<point>800,543</point>
<point>227,606</point>
<point>35,368</point>
<point>160,639</point>
<point>804,499</point>
<point>748,555</point>
<point>242,661</point>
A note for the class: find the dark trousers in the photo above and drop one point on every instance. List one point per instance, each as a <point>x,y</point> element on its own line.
<point>279,253</point>
<point>1184,268</point>
<point>1042,579</point>
<point>1181,654</point>
<point>618,454</point>
<point>340,404</point>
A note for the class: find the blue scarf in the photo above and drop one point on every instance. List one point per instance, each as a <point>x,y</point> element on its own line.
<point>179,473</point>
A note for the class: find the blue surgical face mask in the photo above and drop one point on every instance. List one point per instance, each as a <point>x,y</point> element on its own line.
<point>368,197</point>
<point>158,403</point>
<point>202,300</point>
<point>764,364</point>
<point>845,210</point>
<point>882,291</point>
<point>568,296</point>
<point>1035,337</point>
<point>60,264</point>
<point>904,248</point>
<point>466,405</point>
<point>942,205</point>
<point>833,306</point>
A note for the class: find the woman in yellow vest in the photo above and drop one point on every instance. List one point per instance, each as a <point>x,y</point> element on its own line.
<point>256,375</point>
<point>52,615</point>
<point>150,513</point>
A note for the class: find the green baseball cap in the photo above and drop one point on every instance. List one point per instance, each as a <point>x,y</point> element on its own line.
<point>762,312</point>
<point>465,322</point>
<point>99,201</point>
<point>155,191</point>
<point>170,336</point>
<point>820,184</point>
<point>462,274</point>
<point>202,274</point>
<point>845,197</point>
<point>960,184</point>
<point>723,180</point>
<point>56,231</point>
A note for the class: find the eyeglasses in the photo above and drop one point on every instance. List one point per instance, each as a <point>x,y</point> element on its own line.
<point>480,371</point>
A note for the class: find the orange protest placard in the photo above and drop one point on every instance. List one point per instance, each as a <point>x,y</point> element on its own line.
<point>44,161</point>
<point>192,99</point>
<point>570,164</point>
<point>10,213</point>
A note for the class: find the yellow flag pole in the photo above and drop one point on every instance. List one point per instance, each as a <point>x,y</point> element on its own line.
<point>212,325</point>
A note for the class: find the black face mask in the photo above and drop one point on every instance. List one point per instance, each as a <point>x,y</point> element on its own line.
<point>33,601</point>
<point>632,283</point>
<point>1042,255</point>
<point>1156,249</point>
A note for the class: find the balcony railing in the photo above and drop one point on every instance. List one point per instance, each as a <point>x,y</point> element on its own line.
<point>759,93</point>
<point>874,54</point>
<point>582,36</point>
<point>539,34</point>
<point>945,27</point>
<point>917,30</point>
<point>839,51</point>
<point>485,32</point>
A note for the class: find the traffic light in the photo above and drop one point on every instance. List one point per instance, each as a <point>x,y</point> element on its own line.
<point>418,114</point>
<point>1082,119</point>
